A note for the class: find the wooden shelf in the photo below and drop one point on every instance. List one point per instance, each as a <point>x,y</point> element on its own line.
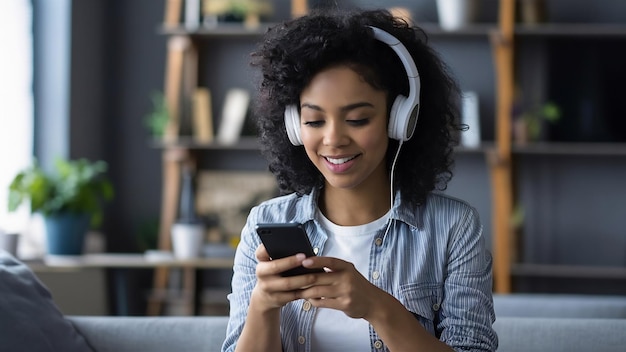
<point>432,29</point>
<point>246,143</point>
<point>572,30</point>
<point>483,148</point>
<point>476,29</point>
<point>238,30</point>
<point>569,271</point>
<point>571,149</point>
<point>221,30</point>
<point>128,261</point>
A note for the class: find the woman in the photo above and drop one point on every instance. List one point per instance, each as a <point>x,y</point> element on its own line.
<point>359,140</point>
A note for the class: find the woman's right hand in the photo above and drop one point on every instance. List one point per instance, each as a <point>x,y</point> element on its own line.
<point>273,290</point>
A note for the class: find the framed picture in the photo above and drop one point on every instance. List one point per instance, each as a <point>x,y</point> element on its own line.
<point>230,195</point>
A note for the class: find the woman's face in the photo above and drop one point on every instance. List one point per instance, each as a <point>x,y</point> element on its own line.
<point>344,129</point>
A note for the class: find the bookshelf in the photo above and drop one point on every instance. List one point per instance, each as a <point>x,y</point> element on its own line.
<point>521,61</point>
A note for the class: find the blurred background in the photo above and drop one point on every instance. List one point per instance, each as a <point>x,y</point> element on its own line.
<point>85,79</point>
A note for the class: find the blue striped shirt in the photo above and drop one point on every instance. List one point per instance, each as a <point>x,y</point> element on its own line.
<point>433,260</point>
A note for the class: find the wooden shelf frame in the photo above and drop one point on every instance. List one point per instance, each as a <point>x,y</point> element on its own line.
<point>176,151</point>
<point>499,153</point>
<point>500,162</point>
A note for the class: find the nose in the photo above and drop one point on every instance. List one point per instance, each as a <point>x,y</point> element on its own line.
<point>335,134</point>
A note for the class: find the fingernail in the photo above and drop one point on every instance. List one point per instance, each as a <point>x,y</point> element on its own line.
<point>300,256</point>
<point>307,262</point>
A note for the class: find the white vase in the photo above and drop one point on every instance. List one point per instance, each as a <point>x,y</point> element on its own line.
<point>187,240</point>
<point>456,14</point>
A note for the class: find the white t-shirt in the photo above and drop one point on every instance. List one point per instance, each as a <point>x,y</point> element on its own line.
<point>332,329</point>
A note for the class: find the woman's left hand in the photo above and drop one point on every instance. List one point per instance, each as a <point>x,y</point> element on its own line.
<point>342,288</point>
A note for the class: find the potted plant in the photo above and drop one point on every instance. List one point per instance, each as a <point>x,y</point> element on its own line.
<point>249,12</point>
<point>70,199</point>
<point>530,125</point>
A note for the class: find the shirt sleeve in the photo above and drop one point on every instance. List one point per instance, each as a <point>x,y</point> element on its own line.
<point>467,309</point>
<point>243,282</point>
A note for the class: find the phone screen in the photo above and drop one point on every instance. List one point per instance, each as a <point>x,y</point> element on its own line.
<point>284,240</point>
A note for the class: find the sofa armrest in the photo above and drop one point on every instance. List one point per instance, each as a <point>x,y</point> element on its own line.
<point>559,305</point>
<point>560,334</point>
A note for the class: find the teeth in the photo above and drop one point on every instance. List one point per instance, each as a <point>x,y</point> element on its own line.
<point>339,161</point>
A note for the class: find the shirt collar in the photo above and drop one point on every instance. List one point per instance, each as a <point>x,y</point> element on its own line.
<point>399,211</point>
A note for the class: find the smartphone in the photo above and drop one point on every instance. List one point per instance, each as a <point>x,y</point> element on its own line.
<point>286,239</point>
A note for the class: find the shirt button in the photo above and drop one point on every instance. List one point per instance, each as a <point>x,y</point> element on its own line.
<point>301,340</point>
<point>378,241</point>
<point>436,307</point>
<point>316,250</point>
<point>375,275</point>
<point>378,344</point>
<point>306,306</point>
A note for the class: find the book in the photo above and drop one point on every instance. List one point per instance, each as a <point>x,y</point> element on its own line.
<point>233,115</point>
<point>192,14</point>
<point>471,117</point>
<point>202,116</point>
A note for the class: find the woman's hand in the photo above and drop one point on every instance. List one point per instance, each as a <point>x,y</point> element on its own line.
<point>273,290</point>
<point>342,287</point>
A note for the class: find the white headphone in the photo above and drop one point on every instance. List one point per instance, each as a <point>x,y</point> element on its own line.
<point>404,111</point>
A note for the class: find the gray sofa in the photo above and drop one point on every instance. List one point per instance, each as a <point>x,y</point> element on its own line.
<point>31,321</point>
<point>526,322</point>
<point>166,334</point>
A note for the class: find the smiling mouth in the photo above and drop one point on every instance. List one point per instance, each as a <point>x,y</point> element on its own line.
<point>339,161</point>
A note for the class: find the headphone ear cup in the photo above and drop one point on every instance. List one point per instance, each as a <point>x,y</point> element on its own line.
<point>292,124</point>
<point>397,120</point>
<point>402,119</point>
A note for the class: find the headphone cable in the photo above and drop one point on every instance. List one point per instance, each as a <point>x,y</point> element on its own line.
<point>391,193</point>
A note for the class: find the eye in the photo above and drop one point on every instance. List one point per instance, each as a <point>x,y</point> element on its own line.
<point>316,123</point>
<point>358,122</point>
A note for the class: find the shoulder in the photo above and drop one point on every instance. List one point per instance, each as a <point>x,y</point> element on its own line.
<point>287,208</point>
<point>446,206</point>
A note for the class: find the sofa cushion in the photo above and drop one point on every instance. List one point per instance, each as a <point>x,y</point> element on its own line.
<point>154,334</point>
<point>29,319</point>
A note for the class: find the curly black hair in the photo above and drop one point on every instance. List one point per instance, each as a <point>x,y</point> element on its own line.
<point>293,52</point>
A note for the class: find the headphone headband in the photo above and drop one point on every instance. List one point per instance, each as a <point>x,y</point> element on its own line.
<point>404,55</point>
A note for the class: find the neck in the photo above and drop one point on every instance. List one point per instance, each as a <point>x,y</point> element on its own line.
<point>354,207</point>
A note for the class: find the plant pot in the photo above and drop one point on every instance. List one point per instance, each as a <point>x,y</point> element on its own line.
<point>9,242</point>
<point>187,240</point>
<point>65,233</point>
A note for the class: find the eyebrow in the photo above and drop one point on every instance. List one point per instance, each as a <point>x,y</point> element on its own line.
<point>343,108</point>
